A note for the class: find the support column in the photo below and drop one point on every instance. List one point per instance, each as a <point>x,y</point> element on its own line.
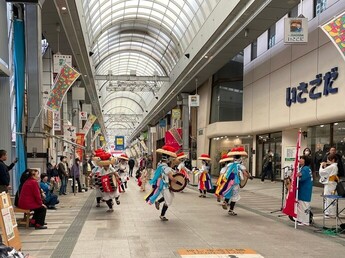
<point>185,123</point>
<point>36,140</point>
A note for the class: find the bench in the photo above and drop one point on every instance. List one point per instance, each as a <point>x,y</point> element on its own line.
<point>25,221</point>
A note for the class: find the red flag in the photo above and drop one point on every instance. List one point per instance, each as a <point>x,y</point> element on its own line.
<point>290,204</point>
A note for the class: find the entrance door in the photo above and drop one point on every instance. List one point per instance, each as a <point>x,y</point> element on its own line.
<point>269,142</point>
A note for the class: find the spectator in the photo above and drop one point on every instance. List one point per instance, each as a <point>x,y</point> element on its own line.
<point>4,174</point>
<point>30,199</point>
<point>63,175</point>
<point>149,166</point>
<point>131,164</point>
<point>87,171</point>
<point>340,166</point>
<point>75,174</point>
<point>50,199</point>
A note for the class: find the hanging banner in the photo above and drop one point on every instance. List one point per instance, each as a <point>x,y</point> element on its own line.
<point>129,153</point>
<point>137,149</point>
<point>69,133</point>
<point>90,120</point>
<point>193,100</point>
<point>290,208</point>
<point>95,136</point>
<point>134,153</point>
<point>144,146</point>
<point>119,142</point>
<point>83,116</point>
<point>335,30</point>
<point>176,114</point>
<point>80,139</point>
<point>62,83</point>
<point>295,30</point>
<point>60,60</point>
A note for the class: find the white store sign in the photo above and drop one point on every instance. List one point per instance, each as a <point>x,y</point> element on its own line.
<point>295,30</point>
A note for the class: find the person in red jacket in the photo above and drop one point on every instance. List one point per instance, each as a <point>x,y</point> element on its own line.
<point>30,199</point>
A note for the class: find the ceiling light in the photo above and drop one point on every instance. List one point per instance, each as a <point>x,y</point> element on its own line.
<point>63,8</point>
<point>336,123</point>
<point>322,125</point>
<point>206,56</point>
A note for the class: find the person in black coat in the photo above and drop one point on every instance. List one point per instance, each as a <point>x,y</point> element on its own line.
<point>131,164</point>
<point>4,174</point>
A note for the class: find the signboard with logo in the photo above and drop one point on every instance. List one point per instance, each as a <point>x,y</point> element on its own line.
<point>119,142</point>
<point>295,30</point>
<point>162,123</point>
<point>57,121</point>
<point>83,116</point>
<point>194,100</point>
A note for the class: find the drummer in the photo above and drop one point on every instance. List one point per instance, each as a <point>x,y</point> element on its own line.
<point>224,161</point>
<point>234,174</point>
<point>105,161</point>
<point>160,181</point>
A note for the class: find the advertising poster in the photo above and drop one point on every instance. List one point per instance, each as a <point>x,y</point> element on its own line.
<point>119,142</point>
<point>8,223</point>
<point>295,30</point>
<point>90,120</point>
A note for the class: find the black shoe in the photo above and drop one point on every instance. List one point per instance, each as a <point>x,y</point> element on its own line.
<point>41,227</point>
<point>98,205</point>
<point>52,208</point>
<point>64,194</point>
<point>157,205</point>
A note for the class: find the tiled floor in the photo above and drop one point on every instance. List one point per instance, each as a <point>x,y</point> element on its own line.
<point>78,229</point>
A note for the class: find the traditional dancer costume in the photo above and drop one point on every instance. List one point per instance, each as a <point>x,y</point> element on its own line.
<point>160,181</point>
<point>204,183</point>
<point>122,171</point>
<point>181,167</point>
<point>221,180</point>
<point>108,187</point>
<point>231,188</point>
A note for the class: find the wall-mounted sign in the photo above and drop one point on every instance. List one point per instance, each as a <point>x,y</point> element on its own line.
<point>119,142</point>
<point>83,116</point>
<point>299,94</point>
<point>194,100</point>
<point>162,123</point>
<point>295,30</point>
<point>57,121</point>
<point>176,114</point>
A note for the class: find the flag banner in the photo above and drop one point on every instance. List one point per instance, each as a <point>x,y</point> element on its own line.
<point>134,153</point>
<point>70,133</point>
<point>136,147</point>
<point>63,82</point>
<point>174,138</point>
<point>90,120</point>
<point>96,134</point>
<point>129,153</point>
<point>80,139</point>
<point>335,30</point>
<point>290,208</point>
<point>144,146</point>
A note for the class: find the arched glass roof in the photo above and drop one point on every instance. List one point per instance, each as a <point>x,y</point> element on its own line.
<point>148,36</point>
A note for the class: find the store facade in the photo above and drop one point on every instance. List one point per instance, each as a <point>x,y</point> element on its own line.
<point>287,88</point>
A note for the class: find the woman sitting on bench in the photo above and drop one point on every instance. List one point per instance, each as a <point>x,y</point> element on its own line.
<point>30,199</point>
<point>50,199</point>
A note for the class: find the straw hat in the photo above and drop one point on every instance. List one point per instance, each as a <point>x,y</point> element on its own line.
<point>167,150</point>
<point>238,151</point>
<point>103,158</point>
<point>204,157</point>
<point>123,156</point>
<point>181,155</point>
<point>225,158</point>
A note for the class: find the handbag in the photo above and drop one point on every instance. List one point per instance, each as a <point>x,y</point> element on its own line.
<point>341,188</point>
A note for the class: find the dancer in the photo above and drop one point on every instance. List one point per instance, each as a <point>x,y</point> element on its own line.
<point>221,180</point>
<point>204,183</point>
<point>181,168</point>
<point>122,170</point>
<point>160,181</point>
<point>234,174</point>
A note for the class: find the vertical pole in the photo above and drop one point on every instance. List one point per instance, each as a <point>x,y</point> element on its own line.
<point>185,123</point>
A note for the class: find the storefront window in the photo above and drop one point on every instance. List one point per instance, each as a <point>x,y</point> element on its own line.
<point>222,145</point>
<point>265,143</point>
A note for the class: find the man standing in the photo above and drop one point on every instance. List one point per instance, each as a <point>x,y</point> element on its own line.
<point>4,174</point>
<point>267,167</point>
<point>63,174</point>
<point>131,164</point>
